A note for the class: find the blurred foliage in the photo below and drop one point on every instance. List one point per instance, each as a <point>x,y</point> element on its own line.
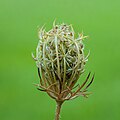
<point>19,23</point>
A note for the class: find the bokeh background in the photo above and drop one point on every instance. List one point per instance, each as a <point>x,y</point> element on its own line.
<point>19,23</point>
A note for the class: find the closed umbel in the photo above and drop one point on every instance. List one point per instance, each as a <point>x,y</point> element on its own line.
<point>60,60</point>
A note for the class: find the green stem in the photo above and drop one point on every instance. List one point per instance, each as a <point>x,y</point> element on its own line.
<point>57,112</point>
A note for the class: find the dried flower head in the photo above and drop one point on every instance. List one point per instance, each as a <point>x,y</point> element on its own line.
<point>60,61</point>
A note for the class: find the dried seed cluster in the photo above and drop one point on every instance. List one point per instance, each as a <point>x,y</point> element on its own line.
<point>60,60</point>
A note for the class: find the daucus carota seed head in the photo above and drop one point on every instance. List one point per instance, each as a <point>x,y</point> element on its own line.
<point>60,60</point>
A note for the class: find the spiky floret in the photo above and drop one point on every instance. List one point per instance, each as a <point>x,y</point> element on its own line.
<point>60,60</point>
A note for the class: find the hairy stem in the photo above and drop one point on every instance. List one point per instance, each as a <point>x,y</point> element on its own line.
<point>57,112</point>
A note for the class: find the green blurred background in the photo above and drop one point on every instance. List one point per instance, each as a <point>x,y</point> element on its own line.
<point>19,22</point>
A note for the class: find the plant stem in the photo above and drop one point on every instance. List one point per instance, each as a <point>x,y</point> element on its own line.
<point>57,112</point>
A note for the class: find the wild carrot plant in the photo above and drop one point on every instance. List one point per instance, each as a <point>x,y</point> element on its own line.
<point>60,61</point>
